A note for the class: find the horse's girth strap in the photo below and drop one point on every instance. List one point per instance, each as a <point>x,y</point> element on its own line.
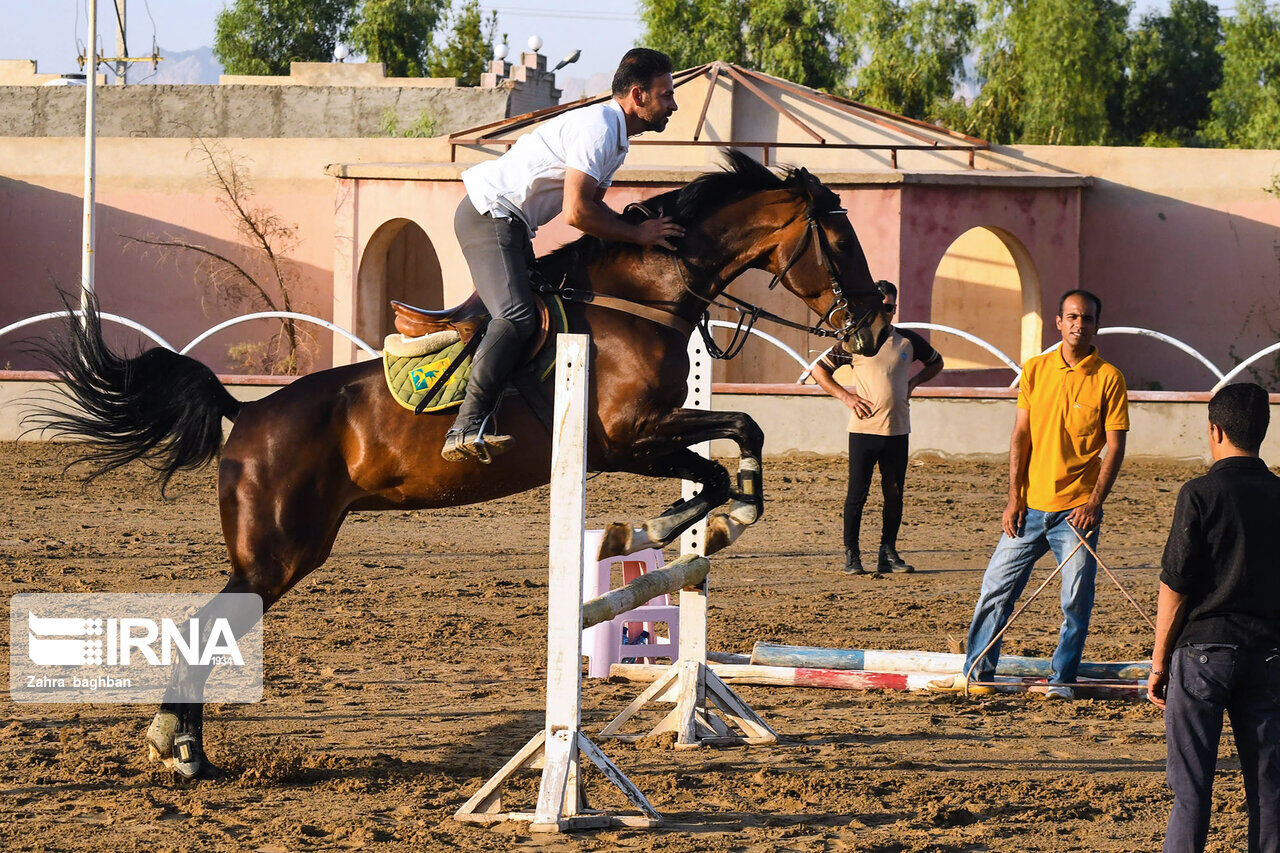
<point>626,306</point>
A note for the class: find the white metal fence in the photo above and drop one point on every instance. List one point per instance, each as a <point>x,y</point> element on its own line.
<point>1221,377</point>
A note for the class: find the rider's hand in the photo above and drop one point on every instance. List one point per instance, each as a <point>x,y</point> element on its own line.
<point>1015,515</point>
<point>1085,516</point>
<point>659,232</point>
<point>860,406</point>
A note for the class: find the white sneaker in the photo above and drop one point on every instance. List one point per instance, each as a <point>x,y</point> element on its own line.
<point>1056,691</point>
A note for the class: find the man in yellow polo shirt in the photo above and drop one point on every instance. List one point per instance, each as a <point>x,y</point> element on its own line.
<point>1071,404</point>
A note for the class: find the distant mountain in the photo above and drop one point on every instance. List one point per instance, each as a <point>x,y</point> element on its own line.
<point>181,67</point>
<point>573,88</point>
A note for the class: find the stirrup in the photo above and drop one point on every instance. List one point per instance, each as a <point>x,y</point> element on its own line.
<point>461,442</point>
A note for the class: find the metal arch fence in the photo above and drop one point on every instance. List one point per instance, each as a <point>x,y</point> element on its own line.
<point>807,366</point>
<point>200,338</point>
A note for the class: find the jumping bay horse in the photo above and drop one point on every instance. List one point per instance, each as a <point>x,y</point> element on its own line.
<point>333,442</point>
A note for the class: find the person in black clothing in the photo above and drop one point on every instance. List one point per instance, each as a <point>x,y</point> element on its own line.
<point>878,429</point>
<point>1217,643</point>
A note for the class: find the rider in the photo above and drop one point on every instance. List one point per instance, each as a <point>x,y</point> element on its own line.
<point>566,163</point>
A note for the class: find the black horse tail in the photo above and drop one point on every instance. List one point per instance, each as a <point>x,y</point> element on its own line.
<point>161,407</point>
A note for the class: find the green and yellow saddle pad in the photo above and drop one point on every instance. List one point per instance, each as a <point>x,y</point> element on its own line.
<point>412,365</point>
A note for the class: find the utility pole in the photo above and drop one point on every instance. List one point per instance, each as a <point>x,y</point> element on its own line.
<point>122,49</point>
<point>90,139</point>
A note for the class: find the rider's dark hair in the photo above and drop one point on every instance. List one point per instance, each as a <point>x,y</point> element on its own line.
<point>1084,294</point>
<point>1242,412</point>
<point>638,68</point>
<point>887,288</point>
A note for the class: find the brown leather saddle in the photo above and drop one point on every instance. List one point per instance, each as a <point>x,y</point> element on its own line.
<point>467,319</point>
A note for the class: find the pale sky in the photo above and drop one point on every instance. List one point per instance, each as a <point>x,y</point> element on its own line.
<point>51,31</point>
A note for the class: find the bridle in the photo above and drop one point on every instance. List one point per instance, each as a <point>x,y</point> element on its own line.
<point>749,313</point>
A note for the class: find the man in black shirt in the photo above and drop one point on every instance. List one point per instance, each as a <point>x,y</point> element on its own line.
<point>1217,641</point>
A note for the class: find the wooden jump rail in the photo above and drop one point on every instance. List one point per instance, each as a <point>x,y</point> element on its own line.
<point>558,749</point>
<point>688,571</point>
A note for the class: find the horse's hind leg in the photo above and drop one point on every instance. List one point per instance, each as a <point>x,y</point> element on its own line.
<point>274,540</point>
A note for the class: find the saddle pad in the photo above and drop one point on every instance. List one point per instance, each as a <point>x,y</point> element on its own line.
<point>412,365</point>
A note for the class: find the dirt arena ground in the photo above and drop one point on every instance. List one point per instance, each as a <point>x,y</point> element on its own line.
<point>409,668</point>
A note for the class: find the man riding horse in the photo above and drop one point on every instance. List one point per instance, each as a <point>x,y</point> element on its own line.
<point>566,163</point>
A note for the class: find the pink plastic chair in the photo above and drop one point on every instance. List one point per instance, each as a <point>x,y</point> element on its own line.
<point>603,644</point>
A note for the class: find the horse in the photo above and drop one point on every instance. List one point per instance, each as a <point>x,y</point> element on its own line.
<point>298,461</point>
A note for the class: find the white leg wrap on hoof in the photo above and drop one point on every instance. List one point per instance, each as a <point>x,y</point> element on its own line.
<point>186,756</point>
<point>743,513</point>
<point>160,737</point>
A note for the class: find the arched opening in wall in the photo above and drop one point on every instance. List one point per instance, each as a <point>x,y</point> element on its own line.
<point>986,285</point>
<point>399,262</point>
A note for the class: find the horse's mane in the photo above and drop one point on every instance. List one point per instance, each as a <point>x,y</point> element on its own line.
<point>705,194</point>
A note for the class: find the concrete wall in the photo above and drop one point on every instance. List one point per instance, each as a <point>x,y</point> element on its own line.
<point>249,111</point>
<point>969,427</point>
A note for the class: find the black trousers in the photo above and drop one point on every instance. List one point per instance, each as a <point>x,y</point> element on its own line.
<point>498,253</point>
<point>889,452</point>
<point>1204,681</point>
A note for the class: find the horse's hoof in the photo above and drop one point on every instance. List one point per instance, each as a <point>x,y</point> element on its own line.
<point>720,533</point>
<point>205,773</point>
<point>616,541</point>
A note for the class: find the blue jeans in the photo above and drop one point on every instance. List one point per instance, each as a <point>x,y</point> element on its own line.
<point>1007,576</point>
<point>1204,681</point>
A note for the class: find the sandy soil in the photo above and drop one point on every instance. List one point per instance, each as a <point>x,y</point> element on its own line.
<point>409,668</point>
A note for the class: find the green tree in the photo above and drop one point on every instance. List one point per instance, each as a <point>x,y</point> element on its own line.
<point>264,36</point>
<point>793,39</point>
<point>692,32</point>
<point>398,33</point>
<point>1174,66</point>
<point>1245,109</point>
<point>907,56</point>
<point>468,47</point>
<point>1048,70</point>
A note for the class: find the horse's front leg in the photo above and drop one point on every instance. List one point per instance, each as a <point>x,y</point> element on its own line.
<point>664,453</point>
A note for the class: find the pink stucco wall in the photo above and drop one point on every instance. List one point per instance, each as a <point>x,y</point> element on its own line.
<point>158,188</point>
<point>1186,242</point>
<point>1177,240</point>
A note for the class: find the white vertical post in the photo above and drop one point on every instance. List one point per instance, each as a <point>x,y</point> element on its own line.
<point>564,614</point>
<point>90,140</point>
<point>693,540</point>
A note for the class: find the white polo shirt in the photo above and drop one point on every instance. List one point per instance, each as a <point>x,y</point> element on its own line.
<point>528,181</point>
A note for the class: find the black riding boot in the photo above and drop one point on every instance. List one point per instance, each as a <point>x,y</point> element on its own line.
<point>891,562</point>
<point>492,363</point>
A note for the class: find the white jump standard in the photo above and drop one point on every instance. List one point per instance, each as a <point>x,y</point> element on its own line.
<point>560,746</point>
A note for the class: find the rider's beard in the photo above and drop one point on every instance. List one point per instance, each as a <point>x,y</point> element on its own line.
<point>657,123</point>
